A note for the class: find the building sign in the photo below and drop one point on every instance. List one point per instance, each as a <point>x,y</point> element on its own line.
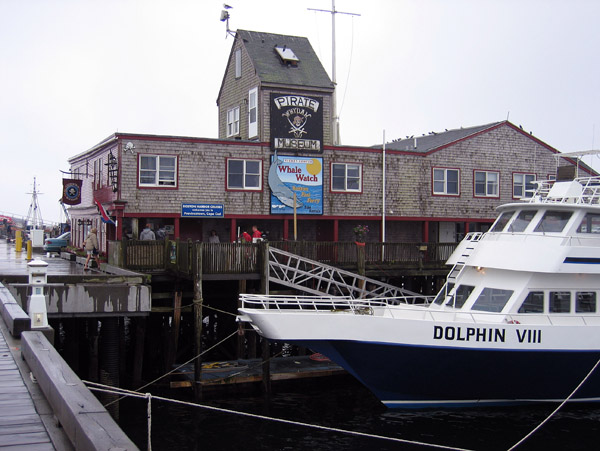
<point>296,123</point>
<point>302,176</point>
<point>202,210</point>
<point>71,191</point>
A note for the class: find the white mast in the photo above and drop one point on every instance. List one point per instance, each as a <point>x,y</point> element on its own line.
<point>34,215</point>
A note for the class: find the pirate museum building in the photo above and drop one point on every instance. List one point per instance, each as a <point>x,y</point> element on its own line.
<point>275,166</point>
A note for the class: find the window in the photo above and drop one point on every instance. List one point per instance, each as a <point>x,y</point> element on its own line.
<point>522,221</point>
<point>533,303</point>
<point>100,164</point>
<point>553,221</point>
<point>590,224</point>
<point>157,170</point>
<point>560,302</point>
<point>445,181</point>
<point>486,183</point>
<point>441,297</point>
<point>233,121</point>
<point>253,113</point>
<point>238,63</point>
<point>346,177</point>
<point>523,186</point>
<point>244,174</point>
<point>585,302</point>
<point>492,300</point>
<point>460,296</point>
<point>502,221</point>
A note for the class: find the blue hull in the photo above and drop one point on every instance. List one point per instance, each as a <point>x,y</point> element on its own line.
<point>417,377</point>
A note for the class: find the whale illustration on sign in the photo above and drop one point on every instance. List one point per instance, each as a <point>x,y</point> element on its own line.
<point>278,188</point>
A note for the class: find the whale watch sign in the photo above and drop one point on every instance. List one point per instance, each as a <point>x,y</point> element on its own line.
<point>296,123</point>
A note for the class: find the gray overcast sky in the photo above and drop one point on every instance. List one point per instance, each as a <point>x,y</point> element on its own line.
<point>75,71</point>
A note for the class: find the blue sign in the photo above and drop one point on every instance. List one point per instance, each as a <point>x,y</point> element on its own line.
<point>202,210</point>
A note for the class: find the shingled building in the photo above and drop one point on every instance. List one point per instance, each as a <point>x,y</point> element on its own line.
<point>274,153</point>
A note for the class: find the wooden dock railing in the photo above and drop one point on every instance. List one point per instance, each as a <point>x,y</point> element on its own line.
<point>243,258</point>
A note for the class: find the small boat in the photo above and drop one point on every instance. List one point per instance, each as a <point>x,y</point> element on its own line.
<point>516,322</point>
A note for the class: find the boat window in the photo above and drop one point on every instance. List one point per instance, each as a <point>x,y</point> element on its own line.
<point>522,221</point>
<point>590,224</point>
<point>560,302</point>
<point>460,296</point>
<point>492,300</point>
<point>585,302</point>
<point>533,303</point>
<point>446,289</point>
<point>501,221</point>
<point>553,221</point>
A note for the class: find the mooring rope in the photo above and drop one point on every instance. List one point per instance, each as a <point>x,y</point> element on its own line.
<point>105,388</point>
<point>176,368</point>
<point>557,409</point>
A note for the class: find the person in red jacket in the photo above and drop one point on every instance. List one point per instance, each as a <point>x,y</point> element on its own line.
<point>255,232</point>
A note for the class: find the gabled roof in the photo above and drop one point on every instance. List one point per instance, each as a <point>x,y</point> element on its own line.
<point>270,68</point>
<point>433,140</point>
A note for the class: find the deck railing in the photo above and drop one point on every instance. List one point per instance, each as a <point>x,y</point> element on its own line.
<point>242,258</point>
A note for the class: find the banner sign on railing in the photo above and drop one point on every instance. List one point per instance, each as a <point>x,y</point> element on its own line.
<point>202,210</point>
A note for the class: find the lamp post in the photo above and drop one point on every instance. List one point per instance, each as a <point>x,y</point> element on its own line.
<point>113,171</point>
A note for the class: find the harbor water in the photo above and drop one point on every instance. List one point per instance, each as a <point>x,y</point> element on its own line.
<point>343,403</point>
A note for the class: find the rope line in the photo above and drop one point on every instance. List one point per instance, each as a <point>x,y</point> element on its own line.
<point>106,388</point>
<point>177,368</point>
<point>557,409</point>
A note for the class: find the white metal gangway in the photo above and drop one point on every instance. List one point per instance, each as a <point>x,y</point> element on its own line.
<point>313,277</point>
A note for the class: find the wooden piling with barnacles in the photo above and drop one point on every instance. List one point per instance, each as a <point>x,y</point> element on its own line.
<point>197,271</point>
<point>263,258</point>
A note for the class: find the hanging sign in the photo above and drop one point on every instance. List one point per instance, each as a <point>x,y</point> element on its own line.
<point>71,192</point>
<point>296,123</point>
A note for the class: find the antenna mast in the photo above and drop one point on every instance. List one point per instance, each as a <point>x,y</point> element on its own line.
<point>34,215</point>
<point>335,120</point>
<point>225,18</point>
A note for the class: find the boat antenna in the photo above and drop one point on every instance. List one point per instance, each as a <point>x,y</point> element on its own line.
<point>335,120</point>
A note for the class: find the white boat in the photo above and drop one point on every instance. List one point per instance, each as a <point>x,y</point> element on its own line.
<point>517,320</point>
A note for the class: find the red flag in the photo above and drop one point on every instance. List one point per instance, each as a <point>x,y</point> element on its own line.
<point>71,191</point>
<point>105,218</point>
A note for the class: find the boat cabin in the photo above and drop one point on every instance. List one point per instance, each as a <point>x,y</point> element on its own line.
<point>540,257</point>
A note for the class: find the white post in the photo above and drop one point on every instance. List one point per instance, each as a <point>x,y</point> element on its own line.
<point>383,202</point>
<point>38,271</point>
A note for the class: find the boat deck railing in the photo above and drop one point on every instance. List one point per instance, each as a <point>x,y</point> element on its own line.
<point>326,303</point>
<point>418,310</point>
<point>582,190</point>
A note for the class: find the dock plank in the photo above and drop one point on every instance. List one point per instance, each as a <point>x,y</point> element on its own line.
<point>21,427</point>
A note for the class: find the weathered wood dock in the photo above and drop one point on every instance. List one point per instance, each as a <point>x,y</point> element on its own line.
<point>20,422</point>
<point>43,403</point>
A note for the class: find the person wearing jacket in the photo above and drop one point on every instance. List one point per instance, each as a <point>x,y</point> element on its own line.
<point>91,247</point>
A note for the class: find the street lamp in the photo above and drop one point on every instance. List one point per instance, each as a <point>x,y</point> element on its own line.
<point>113,171</point>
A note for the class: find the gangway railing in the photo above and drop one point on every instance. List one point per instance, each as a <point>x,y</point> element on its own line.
<point>311,276</point>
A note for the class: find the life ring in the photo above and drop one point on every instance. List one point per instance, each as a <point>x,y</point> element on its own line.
<point>513,321</point>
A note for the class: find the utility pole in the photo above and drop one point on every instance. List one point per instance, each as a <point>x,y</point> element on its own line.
<point>335,120</point>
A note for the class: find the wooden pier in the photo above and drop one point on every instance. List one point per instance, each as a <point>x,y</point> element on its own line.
<point>20,422</point>
<point>44,405</point>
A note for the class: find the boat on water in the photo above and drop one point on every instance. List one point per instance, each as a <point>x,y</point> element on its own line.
<point>517,320</point>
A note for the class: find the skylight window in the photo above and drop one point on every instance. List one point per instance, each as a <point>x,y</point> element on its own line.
<point>287,55</point>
